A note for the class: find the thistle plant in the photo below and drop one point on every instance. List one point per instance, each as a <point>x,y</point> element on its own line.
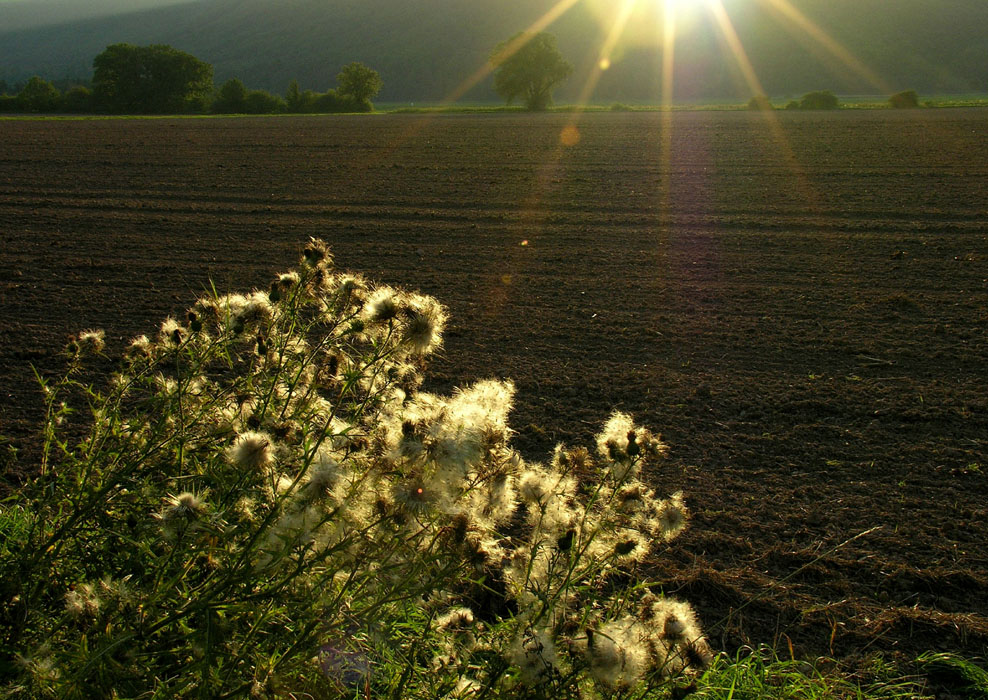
<point>266,504</point>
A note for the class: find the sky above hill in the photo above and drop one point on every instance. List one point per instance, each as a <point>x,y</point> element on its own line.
<point>622,50</point>
<point>23,14</point>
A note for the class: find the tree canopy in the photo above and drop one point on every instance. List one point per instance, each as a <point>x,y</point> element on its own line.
<point>358,83</point>
<point>908,99</point>
<point>231,98</point>
<point>152,79</point>
<point>38,95</point>
<point>821,99</point>
<point>529,67</point>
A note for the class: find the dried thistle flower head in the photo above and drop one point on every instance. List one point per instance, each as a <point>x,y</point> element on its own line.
<point>534,654</point>
<point>184,506</point>
<point>413,495</point>
<point>324,474</point>
<point>179,512</point>
<point>625,447</point>
<point>139,347</point>
<point>251,450</point>
<point>82,601</point>
<point>316,254</point>
<point>91,341</point>
<point>382,305</point>
<point>172,332</point>
<point>287,280</point>
<point>350,284</point>
<point>671,516</point>
<point>679,642</point>
<point>618,653</point>
<point>631,547</point>
<point>40,667</point>
<point>612,442</point>
<point>424,327</point>
<point>455,619</point>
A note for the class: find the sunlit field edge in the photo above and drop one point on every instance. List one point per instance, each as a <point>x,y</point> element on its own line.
<point>847,102</point>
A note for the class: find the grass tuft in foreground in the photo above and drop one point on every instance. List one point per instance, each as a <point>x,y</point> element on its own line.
<point>762,675</point>
<point>962,676</point>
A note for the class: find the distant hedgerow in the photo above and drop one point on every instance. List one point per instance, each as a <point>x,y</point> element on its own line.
<point>760,103</point>
<point>821,99</point>
<point>267,505</point>
<point>907,99</point>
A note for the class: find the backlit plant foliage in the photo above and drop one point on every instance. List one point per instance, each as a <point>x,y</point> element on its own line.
<point>266,505</point>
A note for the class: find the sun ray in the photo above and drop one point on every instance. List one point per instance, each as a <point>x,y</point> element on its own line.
<point>554,13</point>
<point>726,27</point>
<point>787,11</point>
<point>730,35</point>
<point>668,91</point>
<point>606,50</point>
<point>668,52</point>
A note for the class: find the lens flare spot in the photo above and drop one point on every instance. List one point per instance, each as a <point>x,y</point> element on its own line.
<point>604,63</point>
<point>570,136</point>
<point>524,242</point>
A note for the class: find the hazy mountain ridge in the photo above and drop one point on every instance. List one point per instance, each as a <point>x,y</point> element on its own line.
<point>17,15</point>
<point>426,49</point>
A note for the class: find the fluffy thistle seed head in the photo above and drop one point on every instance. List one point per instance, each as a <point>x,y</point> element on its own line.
<point>184,506</point>
<point>139,347</point>
<point>288,280</point>
<point>413,496</point>
<point>455,619</point>
<point>91,341</point>
<point>631,547</point>
<point>172,331</point>
<point>316,254</point>
<point>618,653</point>
<point>383,305</point>
<point>672,516</point>
<point>348,287</point>
<point>40,666</point>
<point>251,450</point>
<point>534,654</point>
<point>82,601</point>
<point>324,474</point>
<point>423,330</point>
<point>194,322</point>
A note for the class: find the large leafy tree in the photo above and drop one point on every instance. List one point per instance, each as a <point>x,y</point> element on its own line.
<point>38,95</point>
<point>156,79</point>
<point>358,84</point>
<point>231,98</point>
<point>529,67</point>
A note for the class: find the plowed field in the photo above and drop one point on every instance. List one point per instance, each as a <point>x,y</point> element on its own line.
<point>800,306</point>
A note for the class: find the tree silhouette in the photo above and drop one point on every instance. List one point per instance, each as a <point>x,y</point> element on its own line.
<point>150,79</point>
<point>821,99</point>
<point>231,98</point>
<point>358,83</point>
<point>907,99</point>
<point>38,95</point>
<point>530,67</point>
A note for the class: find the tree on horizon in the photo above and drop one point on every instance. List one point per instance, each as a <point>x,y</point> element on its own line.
<point>156,79</point>
<point>530,67</point>
<point>358,84</point>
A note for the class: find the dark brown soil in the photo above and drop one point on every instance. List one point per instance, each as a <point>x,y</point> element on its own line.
<point>798,302</point>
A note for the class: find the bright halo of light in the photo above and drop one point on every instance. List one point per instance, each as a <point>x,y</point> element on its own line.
<point>641,17</point>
